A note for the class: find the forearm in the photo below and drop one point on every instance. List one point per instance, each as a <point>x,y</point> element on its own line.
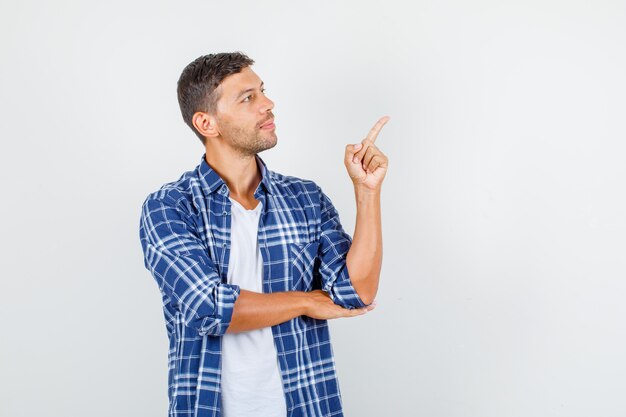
<point>254,310</point>
<point>364,259</point>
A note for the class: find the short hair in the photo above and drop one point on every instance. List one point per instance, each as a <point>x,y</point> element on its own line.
<point>198,83</point>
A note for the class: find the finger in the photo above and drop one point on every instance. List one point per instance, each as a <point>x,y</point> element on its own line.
<point>367,145</point>
<point>369,140</point>
<point>379,160</point>
<point>373,134</point>
<point>371,152</point>
<point>367,308</point>
<point>351,149</point>
<point>350,152</point>
<point>358,312</point>
<point>373,164</point>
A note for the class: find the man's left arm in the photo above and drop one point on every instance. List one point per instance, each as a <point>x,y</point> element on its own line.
<point>364,259</point>
<point>350,267</point>
<point>367,166</point>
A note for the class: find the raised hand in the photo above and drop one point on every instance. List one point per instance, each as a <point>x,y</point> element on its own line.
<point>366,164</point>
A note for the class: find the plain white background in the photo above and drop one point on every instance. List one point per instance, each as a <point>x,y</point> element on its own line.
<point>503,209</point>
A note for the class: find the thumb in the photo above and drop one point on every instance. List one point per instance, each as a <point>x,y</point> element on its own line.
<point>352,149</point>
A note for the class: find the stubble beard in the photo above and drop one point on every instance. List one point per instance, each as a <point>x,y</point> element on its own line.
<point>250,142</point>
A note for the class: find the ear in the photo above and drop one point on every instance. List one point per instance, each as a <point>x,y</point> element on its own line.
<point>206,124</point>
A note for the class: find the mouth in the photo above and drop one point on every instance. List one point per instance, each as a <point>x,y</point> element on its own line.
<point>269,125</point>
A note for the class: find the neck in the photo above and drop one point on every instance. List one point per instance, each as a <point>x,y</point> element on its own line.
<point>239,172</point>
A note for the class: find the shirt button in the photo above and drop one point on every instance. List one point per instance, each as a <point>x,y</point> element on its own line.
<point>224,213</point>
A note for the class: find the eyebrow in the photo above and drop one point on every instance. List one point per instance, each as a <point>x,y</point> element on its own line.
<point>247,91</point>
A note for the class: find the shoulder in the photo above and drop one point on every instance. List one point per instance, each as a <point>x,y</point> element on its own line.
<point>176,194</point>
<point>296,187</point>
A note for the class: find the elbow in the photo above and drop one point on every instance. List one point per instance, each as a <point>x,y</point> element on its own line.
<point>367,298</point>
<point>365,291</point>
<point>365,283</point>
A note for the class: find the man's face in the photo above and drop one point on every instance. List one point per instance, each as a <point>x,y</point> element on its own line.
<point>243,113</point>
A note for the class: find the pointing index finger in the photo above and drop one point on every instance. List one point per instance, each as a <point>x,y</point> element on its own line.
<point>373,134</point>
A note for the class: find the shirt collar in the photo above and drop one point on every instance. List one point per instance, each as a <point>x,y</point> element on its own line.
<point>212,182</point>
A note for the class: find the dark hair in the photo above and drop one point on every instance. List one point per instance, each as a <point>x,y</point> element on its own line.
<point>198,83</point>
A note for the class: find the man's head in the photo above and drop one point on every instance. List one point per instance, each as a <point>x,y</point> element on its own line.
<point>221,97</point>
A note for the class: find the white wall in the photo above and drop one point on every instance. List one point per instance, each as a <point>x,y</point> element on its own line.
<point>503,209</point>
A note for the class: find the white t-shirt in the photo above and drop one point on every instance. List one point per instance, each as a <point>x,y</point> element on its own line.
<point>251,382</point>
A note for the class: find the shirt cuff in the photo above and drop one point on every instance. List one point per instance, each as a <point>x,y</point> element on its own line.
<point>225,296</point>
<point>342,291</point>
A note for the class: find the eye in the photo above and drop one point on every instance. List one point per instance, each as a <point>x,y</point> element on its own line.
<point>247,98</point>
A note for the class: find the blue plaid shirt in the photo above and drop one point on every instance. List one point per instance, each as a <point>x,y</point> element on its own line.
<point>185,236</point>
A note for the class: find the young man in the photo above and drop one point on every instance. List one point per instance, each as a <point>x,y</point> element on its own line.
<point>252,263</point>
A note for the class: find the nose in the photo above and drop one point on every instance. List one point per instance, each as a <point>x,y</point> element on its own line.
<point>266,105</point>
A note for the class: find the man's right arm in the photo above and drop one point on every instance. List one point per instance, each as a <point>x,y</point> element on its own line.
<point>188,278</point>
<point>255,310</point>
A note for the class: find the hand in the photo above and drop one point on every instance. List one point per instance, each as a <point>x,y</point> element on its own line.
<point>365,163</point>
<point>322,307</point>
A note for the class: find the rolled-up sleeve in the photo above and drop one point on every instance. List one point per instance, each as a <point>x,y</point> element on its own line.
<point>180,264</point>
<point>333,251</point>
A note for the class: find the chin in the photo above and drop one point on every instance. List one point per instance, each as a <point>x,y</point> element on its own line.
<point>272,141</point>
<point>271,145</point>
